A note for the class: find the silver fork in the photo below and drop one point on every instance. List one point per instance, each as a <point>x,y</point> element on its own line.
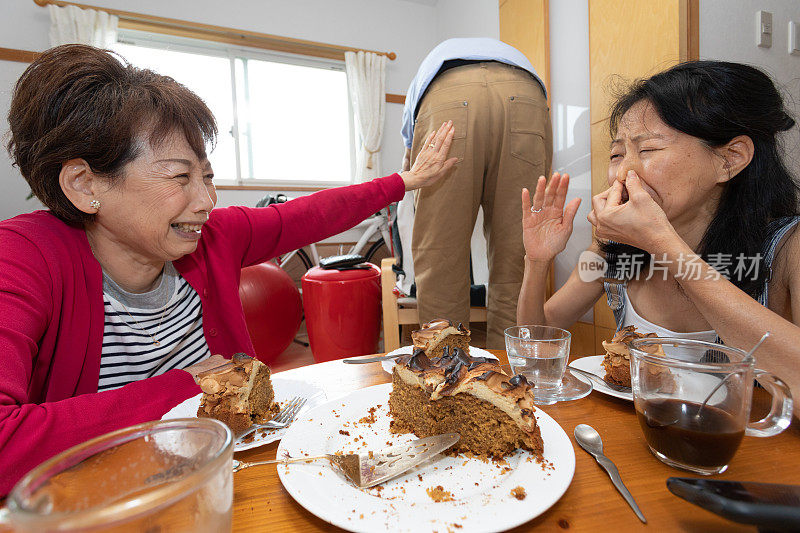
<point>284,417</point>
<point>600,381</point>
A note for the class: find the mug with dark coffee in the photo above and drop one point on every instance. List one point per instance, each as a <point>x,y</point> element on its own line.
<point>693,398</point>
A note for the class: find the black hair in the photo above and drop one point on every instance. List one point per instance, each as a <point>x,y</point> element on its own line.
<point>716,101</point>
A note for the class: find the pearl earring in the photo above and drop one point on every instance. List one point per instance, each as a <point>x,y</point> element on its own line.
<point>94,204</point>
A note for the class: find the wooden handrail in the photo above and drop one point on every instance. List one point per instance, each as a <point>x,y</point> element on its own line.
<point>171,26</point>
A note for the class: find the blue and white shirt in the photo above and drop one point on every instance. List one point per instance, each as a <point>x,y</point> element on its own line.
<point>470,49</point>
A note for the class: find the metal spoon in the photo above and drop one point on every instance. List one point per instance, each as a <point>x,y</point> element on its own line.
<point>723,380</point>
<point>589,439</point>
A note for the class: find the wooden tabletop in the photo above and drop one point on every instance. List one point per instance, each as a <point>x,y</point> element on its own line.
<point>590,504</point>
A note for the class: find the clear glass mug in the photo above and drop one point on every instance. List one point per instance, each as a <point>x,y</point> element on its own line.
<point>168,475</point>
<point>693,403</point>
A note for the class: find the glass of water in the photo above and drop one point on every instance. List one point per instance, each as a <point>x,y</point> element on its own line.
<point>540,353</point>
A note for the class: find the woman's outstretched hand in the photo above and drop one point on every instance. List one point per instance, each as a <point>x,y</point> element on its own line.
<point>547,224</point>
<point>639,221</point>
<point>432,164</point>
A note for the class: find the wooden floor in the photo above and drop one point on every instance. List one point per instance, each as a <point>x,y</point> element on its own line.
<point>297,355</point>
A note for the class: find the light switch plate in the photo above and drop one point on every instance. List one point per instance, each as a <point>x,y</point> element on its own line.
<point>794,38</point>
<point>764,29</point>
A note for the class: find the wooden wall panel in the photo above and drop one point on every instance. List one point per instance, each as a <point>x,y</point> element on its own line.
<point>629,39</point>
<point>602,334</point>
<point>582,340</point>
<point>524,24</point>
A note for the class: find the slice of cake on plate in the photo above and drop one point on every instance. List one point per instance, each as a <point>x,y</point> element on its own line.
<point>493,412</point>
<point>238,393</point>
<point>439,334</point>
<point>617,361</point>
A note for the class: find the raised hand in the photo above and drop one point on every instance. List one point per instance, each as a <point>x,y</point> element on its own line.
<point>432,164</point>
<point>547,224</point>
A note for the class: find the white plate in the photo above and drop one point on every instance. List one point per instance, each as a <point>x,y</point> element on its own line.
<point>285,390</point>
<point>389,363</point>
<point>592,364</point>
<point>695,389</point>
<point>481,491</point>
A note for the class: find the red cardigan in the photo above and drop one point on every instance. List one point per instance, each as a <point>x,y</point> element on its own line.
<point>51,316</point>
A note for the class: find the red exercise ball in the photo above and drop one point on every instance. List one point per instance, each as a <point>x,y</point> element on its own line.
<point>273,309</point>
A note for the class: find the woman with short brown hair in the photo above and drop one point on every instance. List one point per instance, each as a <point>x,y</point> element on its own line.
<point>115,298</point>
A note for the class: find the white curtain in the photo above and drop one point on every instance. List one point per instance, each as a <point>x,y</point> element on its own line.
<point>72,24</point>
<point>366,79</point>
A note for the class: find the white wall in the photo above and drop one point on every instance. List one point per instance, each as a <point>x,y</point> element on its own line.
<point>13,188</point>
<point>569,105</point>
<point>730,34</point>
<point>467,18</point>
<point>408,28</point>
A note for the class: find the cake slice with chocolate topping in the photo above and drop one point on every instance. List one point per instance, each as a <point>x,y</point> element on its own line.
<point>439,334</point>
<point>493,412</point>
<point>238,393</point>
<point>617,361</point>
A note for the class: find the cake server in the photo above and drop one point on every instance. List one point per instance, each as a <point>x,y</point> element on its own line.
<point>361,361</point>
<point>589,439</point>
<point>368,470</point>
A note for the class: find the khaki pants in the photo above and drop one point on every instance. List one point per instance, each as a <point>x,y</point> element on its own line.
<point>504,139</point>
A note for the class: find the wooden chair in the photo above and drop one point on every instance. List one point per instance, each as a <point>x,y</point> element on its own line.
<point>399,311</point>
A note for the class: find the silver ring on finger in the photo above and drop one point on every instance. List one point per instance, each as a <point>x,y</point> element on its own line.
<point>432,145</point>
<point>536,210</point>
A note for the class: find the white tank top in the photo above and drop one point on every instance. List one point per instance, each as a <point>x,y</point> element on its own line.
<point>632,318</point>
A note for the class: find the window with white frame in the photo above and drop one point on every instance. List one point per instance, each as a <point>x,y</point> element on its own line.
<point>284,120</point>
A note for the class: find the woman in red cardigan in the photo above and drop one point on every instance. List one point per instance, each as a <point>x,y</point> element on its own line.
<point>116,297</point>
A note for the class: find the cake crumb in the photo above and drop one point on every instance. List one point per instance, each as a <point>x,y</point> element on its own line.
<point>518,493</point>
<point>438,494</point>
<point>343,432</point>
<point>419,476</point>
<point>369,419</point>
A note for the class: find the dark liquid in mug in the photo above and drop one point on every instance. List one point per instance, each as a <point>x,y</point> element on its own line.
<point>672,429</point>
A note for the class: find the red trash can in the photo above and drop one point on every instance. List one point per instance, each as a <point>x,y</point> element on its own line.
<point>343,311</point>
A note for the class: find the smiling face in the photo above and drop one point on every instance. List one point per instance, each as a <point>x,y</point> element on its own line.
<point>155,212</point>
<point>682,174</point>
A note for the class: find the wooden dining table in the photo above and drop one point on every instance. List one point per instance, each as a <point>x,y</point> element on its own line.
<point>591,503</point>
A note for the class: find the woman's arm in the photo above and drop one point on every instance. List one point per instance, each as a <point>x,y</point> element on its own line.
<point>257,235</point>
<point>31,433</point>
<point>738,319</point>
<point>546,227</point>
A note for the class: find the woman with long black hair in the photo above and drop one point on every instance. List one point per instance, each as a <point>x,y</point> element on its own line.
<point>698,225</point>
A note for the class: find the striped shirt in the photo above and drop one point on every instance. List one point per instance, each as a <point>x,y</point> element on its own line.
<point>170,314</point>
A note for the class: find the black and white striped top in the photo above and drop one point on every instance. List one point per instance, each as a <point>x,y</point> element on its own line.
<point>171,314</point>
